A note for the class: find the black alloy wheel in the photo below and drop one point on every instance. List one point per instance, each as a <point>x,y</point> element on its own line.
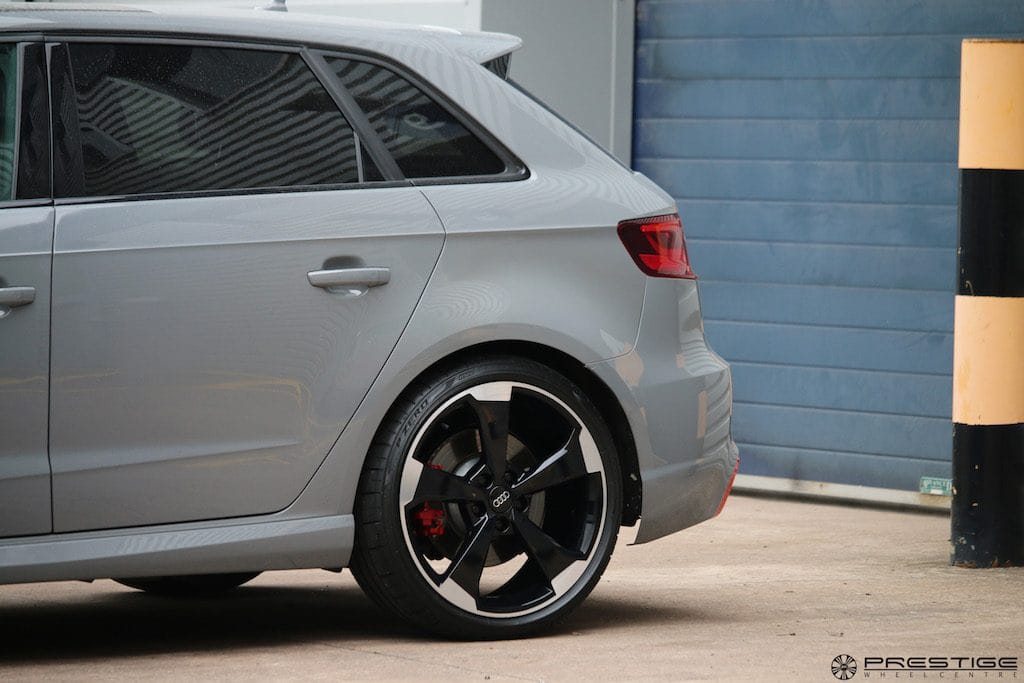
<point>490,505</point>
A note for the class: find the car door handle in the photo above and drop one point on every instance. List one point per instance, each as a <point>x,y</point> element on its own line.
<point>12,297</point>
<point>349,277</point>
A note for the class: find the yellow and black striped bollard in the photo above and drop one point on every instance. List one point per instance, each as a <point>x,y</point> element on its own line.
<point>988,337</point>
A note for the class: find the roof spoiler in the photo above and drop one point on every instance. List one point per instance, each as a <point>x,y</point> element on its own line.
<point>492,50</point>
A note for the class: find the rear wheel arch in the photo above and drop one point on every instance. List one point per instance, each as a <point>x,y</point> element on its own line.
<point>471,527</point>
<point>596,390</point>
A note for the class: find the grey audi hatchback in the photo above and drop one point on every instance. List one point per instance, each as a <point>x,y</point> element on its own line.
<point>282,292</point>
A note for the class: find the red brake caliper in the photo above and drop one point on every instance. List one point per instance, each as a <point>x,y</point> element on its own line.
<point>430,517</point>
<point>431,521</point>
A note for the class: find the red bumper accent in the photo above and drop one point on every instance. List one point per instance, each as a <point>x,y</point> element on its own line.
<point>728,489</point>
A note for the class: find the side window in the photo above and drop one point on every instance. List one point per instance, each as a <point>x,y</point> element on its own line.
<point>423,137</point>
<point>24,133</point>
<point>8,117</point>
<point>151,118</point>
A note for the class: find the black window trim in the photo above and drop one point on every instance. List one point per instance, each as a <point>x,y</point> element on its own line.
<point>51,40</point>
<point>515,169</point>
<point>43,186</point>
<point>355,115</point>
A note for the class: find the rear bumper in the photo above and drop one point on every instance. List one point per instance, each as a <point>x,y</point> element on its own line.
<point>677,394</point>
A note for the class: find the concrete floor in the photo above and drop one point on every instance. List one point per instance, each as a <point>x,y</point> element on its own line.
<point>770,590</point>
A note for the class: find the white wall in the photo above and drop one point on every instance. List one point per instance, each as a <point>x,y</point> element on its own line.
<point>459,14</point>
<point>577,56</point>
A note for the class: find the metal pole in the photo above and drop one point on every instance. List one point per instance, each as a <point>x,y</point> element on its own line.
<point>988,329</point>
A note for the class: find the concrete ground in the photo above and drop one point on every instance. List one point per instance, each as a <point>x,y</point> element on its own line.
<point>770,590</point>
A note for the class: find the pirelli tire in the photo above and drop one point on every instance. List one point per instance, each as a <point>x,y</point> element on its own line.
<point>490,502</point>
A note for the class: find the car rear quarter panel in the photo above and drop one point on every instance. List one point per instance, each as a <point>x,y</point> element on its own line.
<point>539,260</point>
<point>677,394</point>
<point>535,260</point>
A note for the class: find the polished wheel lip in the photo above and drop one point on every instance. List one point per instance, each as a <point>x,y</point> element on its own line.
<point>452,592</point>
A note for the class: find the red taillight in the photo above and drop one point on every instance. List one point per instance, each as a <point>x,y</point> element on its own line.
<point>657,246</point>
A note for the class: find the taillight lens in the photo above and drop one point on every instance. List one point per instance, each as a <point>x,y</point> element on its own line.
<point>657,246</point>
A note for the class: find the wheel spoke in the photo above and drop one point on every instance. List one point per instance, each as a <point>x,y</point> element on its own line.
<point>468,563</point>
<point>497,475</point>
<point>492,418</point>
<point>437,485</point>
<point>563,465</point>
<point>550,556</point>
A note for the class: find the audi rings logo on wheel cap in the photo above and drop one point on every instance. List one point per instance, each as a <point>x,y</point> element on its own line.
<point>844,667</point>
<point>499,500</point>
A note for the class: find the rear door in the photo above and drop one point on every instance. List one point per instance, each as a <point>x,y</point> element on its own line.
<point>229,277</point>
<point>26,234</point>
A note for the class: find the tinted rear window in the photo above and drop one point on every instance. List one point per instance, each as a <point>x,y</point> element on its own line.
<point>425,139</point>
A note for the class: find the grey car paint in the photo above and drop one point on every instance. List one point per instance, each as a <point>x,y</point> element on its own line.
<point>196,372</point>
<point>25,242</point>
<point>680,411</point>
<point>534,261</point>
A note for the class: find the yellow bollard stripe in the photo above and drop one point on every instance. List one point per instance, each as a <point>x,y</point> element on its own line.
<point>992,104</point>
<point>988,360</point>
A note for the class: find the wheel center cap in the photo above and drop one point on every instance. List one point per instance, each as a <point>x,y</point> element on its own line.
<point>501,499</point>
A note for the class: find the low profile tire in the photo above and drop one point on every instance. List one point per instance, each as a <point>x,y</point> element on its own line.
<point>490,502</point>
<point>201,585</point>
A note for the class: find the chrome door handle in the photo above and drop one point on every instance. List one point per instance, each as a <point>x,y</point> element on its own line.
<point>12,297</point>
<point>349,277</point>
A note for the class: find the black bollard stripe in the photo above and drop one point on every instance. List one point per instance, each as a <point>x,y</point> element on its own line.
<point>991,256</point>
<point>988,500</point>
<point>987,521</point>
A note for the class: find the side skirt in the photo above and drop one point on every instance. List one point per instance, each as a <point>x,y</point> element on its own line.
<point>168,550</point>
